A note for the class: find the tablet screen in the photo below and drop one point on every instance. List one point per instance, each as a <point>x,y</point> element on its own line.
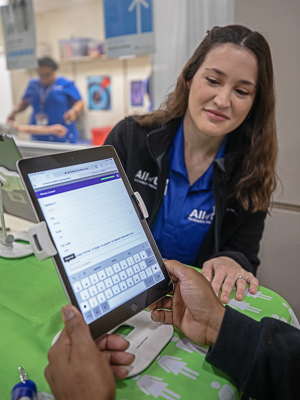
<point>97,233</point>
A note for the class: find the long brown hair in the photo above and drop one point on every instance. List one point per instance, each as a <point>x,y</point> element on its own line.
<point>258,178</point>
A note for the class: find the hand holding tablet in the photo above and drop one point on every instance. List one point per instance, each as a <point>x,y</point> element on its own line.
<point>107,260</point>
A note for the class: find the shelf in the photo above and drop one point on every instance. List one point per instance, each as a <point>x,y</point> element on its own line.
<point>82,59</point>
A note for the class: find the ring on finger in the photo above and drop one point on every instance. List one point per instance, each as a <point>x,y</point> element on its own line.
<point>242,277</point>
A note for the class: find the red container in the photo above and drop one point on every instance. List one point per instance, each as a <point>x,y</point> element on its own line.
<point>99,134</point>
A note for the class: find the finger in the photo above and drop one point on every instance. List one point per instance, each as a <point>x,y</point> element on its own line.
<point>207,270</point>
<point>241,285</point>
<point>174,278</point>
<point>177,270</point>
<point>163,316</point>
<point>76,328</point>
<point>218,281</point>
<point>112,342</point>
<point>181,272</point>
<point>118,357</point>
<point>119,372</point>
<point>154,306</point>
<point>166,303</point>
<point>227,288</point>
<point>253,284</point>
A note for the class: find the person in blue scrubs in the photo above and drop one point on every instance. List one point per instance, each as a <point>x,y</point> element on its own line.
<point>55,101</point>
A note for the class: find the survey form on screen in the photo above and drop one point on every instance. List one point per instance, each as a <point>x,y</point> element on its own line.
<point>91,217</point>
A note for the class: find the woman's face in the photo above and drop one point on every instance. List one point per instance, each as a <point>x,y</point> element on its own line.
<point>222,91</point>
<point>46,75</point>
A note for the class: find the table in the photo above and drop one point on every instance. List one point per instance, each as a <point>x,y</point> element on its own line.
<point>31,297</point>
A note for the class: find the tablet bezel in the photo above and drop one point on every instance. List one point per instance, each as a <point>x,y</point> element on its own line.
<point>133,306</point>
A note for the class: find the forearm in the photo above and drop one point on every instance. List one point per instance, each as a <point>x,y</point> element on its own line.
<point>56,129</point>
<point>78,106</point>
<point>35,129</point>
<point>21,106</point>
<point>263,358</point>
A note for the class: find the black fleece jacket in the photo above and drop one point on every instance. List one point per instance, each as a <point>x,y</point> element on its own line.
<point>234,232</point>
<point>262,357</point>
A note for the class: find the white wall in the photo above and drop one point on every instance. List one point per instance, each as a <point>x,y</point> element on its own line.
<point>6,99</point>
<point>279,21</point>
<point>179,27</point>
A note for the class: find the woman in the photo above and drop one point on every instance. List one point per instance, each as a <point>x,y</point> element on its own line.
<point>204,162</point>
<point>55,100</point>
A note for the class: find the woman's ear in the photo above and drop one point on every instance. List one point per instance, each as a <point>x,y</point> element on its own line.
<point>188,84</point>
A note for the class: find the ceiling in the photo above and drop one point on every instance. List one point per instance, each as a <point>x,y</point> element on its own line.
<point>41,6</point>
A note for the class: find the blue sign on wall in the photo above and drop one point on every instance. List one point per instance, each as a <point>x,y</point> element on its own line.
<point>127,17</point>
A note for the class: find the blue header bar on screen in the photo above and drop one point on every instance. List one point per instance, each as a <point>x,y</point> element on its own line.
<point>76,185</point>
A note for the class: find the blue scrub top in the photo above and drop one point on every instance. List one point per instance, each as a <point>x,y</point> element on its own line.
<point>59,98</point>
<point>187,211</point>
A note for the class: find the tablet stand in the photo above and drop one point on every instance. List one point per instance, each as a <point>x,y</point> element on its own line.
<point>148,338</point>
<point>9,247</point>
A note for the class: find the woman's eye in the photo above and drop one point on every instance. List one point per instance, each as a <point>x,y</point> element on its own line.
<point>242,92</point>
<point>212,81</point>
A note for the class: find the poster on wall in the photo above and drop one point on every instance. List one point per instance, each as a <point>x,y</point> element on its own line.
<point>99,92</point>
<point>19,33</point>
<point>128,27</point>
<point>137,93</point>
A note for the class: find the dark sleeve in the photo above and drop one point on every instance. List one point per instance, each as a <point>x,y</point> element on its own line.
<point>118,139</point>
<point>263,358</point>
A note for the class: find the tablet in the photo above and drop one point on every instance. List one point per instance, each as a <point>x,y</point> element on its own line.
<point>107,259</point>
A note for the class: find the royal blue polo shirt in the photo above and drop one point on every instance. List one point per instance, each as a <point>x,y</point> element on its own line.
<point>53,101</point>
<point>187,211</point>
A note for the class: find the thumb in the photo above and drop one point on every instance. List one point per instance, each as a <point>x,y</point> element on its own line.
<point>76,327</point>
<point>177,269</point>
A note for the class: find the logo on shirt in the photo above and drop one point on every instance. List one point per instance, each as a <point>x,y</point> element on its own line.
<point>201,217</point>
<point>58,87</point>
<point>144,178</point>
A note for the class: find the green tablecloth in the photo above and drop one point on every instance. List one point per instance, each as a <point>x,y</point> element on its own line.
<point>31,297</point>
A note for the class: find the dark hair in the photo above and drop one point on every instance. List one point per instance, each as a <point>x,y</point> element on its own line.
<point>47,62</point>
<point>258,179</point>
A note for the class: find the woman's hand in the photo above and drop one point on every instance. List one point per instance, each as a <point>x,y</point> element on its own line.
<point>58,130</point>
<point>70,115</point>
<point>223,272</point>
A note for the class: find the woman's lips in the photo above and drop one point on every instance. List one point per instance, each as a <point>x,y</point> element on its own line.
<point>216,115</point>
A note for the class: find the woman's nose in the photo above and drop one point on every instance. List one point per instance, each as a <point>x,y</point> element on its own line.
<point>222,98</point>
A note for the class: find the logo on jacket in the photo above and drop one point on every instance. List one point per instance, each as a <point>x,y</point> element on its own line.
<point>144,178</point>
<point>201,217</point>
